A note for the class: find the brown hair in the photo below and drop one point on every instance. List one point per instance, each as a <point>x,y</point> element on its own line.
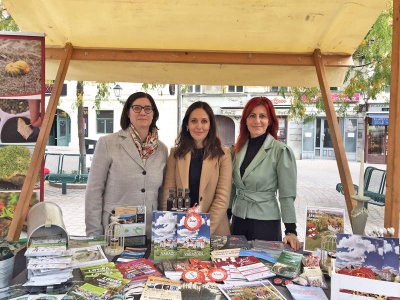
<point>185,142</point>
<point>125,122</point>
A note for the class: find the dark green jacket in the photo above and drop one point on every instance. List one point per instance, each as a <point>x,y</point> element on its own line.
<point>255,194</point>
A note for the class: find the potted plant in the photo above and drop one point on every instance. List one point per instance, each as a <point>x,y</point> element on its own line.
<point>7,257</point>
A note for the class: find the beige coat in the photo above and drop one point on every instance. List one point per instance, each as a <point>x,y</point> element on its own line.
<point>118,177</point>
<point>215,186</point>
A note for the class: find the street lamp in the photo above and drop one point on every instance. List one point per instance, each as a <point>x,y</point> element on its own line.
<point>117,91</point>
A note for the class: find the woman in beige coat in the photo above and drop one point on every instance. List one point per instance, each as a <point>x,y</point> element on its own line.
<point>200,163</point>
<point>127,167</point>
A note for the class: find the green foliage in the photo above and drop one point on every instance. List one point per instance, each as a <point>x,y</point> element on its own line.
<point>6,22</point>
<point>153,86</point>
<point>373,57</point>
<point>103,94</point>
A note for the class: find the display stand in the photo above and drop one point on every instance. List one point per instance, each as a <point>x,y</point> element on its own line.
<point>340,281</point>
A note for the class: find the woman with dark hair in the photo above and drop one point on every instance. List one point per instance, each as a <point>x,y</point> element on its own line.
<point>127,167</point>
<point>201,164</point>
<point>262,166</point>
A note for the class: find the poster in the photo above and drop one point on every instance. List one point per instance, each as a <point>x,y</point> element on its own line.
<point>21,114</point>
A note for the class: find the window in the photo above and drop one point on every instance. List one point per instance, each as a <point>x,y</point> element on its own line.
<point>274,89</point>
<point>105,121</point>
<point>235,88</point>
<point>194,88</point>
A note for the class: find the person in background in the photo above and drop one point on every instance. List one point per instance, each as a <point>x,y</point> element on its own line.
<point>127,167</point>
<point>263,166</point>
<point>200,163</point>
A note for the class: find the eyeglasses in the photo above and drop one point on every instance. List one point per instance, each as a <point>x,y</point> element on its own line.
<point>138,108</point>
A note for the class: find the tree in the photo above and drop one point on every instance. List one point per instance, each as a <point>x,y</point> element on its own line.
<point>103,93</point>
<point>6,22</point>
<point>369,77</point>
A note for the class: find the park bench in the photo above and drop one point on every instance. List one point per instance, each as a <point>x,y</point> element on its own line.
<point>374,186</point>
<point>67,168</point>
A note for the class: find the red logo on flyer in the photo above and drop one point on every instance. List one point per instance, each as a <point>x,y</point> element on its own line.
<point>193,276</point>
<point>192,221</point>
<point>217,274</point>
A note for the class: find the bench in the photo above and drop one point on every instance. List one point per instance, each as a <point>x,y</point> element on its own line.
<point>63,179</point>
<point>374,186</point>
<point>68,169</point>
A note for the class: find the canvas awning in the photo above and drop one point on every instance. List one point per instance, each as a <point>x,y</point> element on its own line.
<point>210,42</point>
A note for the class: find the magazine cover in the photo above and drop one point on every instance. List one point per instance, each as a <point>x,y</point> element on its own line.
<point>358,255</point>
<point>193,242</point>
<point>162,289</point>
<point>87,256</point>
<point>164,239</point>
<point>322,221</point>
<point>390,268</point>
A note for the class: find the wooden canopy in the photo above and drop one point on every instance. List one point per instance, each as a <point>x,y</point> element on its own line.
<point>234,42</point>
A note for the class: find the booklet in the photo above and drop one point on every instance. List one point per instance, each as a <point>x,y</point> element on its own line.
<point>46,247</point>
<point>251,268</point>
<point>288,264</point>
<point>93,271</point>
<point>87,256</point>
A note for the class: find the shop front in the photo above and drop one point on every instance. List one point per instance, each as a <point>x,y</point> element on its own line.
<point>377,137</point>
<point>317,140</point>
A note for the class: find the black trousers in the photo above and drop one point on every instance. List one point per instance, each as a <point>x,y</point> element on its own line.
<point>267,230</point>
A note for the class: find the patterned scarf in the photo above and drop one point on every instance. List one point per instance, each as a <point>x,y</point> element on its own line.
<point>147,147</point>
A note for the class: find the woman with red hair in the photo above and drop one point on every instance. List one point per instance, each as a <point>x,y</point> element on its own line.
<point>262,167</point>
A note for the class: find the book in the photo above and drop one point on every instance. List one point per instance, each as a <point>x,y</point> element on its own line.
<point>87,256</point>
<point>390,265</point>
<point>218,241</point>
<point>251,290</point>
<point>236,241</point>
<point>193,243</point>
<point>113,284</point>
<point>87,291</point>
<point>320,222</point>
<point>138,269</point>
<point>358,255</point>
<point>164,239</point>
<point>180,235</point>
<point>288,264</point>
<point>299,292</point>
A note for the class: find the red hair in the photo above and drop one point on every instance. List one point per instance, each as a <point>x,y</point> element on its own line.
<point>273,124</point>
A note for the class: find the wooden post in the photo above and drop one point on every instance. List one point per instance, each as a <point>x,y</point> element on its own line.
<point>392,200</point>
<point>22,207</point>
<point>340,153</point>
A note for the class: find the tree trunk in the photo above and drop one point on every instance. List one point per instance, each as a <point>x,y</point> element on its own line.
<point>81,129</point>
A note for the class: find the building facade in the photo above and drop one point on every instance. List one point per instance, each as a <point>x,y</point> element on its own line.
<point>309,140</point>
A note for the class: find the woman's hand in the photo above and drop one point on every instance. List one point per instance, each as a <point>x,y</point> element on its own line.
<point>292,240</point>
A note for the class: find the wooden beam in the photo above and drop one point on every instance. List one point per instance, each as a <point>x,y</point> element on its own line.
<point>336,136</point>
<point>22,207</point>
<point>392,200</point>
<point>193,57</point>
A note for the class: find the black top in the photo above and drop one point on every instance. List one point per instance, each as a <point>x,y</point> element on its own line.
<point>253,147</point>
<point>196,163</point>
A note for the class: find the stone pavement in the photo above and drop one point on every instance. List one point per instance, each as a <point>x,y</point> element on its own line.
<point>316,182</point>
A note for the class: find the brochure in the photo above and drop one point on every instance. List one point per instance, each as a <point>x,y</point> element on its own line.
<point>87,256</point>
<point>322,221</point>
<point>299,292</point>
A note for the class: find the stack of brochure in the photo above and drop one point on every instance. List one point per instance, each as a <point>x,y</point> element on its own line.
<point>48,262</point>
